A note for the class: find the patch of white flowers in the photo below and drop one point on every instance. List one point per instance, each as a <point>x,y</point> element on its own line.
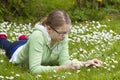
<point>9,77</point>
<point>13,30</point>
<point>77,63</point>
<point>95,35</point>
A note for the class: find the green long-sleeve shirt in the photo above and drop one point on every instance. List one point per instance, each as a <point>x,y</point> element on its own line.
<point>38,54</point>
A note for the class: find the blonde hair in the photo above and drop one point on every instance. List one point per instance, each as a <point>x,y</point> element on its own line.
<point>56,19</point>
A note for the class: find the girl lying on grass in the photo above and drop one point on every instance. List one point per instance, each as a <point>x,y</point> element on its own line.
<point>47,44</point>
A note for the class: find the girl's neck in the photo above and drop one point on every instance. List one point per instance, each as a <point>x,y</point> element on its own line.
<point>52,43</point>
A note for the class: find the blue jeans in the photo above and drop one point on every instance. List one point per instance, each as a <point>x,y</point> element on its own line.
<point>10,47</point>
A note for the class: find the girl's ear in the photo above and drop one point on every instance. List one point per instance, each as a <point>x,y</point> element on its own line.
<point>48,28</point>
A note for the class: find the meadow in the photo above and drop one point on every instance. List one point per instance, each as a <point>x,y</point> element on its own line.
<point>87,40</point>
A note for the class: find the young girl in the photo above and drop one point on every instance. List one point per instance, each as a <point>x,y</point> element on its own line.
<point>47,45</point>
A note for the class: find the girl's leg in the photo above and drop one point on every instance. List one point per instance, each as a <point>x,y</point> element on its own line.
<point>11,47</point>
<point>4,43</point>
<point>14,46</point>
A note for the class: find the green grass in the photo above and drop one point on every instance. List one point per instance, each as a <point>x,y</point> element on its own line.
<point>83,48</point>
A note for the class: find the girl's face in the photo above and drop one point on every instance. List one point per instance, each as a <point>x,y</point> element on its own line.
<point>60,33</point>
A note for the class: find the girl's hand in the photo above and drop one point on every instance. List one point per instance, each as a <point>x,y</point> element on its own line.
<point>93,62</point>
<point>77,64</point>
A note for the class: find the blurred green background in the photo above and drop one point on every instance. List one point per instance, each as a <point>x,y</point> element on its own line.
<point>26,11</point>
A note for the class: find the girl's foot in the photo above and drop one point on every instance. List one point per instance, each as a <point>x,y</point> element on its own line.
<point>3,35</point>
<point>22,36</point>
